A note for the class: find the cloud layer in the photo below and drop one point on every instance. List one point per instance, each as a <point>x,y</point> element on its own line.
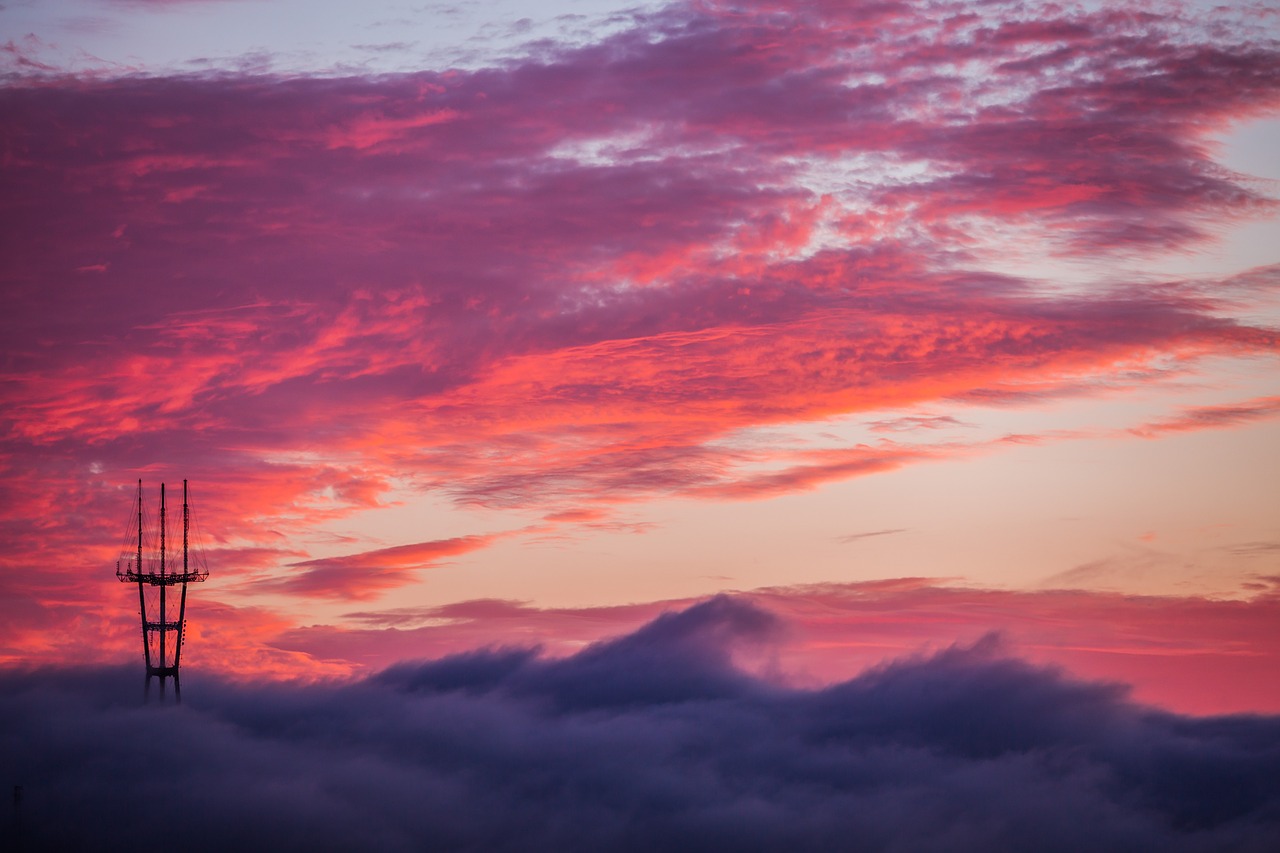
<point>654,739</point>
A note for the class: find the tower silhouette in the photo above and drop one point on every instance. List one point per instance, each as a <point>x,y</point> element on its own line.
<point>145,562</point>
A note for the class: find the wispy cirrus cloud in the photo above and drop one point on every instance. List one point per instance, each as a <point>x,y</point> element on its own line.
<point>368,573</point>
<point>1213,417</point>
<point>854,537</point>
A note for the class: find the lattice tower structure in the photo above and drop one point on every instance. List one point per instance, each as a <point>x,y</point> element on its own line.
<point>146,561</point>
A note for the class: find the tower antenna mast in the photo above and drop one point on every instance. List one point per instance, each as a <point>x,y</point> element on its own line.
<point>162,633</point>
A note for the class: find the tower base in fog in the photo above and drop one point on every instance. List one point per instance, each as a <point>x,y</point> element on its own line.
<point>162,675</point>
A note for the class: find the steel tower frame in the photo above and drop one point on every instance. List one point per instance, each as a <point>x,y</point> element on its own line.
<point>167,659</point>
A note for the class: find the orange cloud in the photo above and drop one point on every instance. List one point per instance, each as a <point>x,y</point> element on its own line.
<point>369,573</point>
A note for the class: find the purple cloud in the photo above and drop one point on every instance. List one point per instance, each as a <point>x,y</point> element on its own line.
<point>650,740</point>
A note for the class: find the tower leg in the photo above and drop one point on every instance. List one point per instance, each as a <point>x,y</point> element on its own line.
<point>142,611</point>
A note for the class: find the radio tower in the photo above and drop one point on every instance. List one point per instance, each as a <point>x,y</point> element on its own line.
<point>147,566</point>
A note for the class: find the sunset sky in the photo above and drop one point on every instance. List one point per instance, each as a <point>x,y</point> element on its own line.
<point>508,324</point>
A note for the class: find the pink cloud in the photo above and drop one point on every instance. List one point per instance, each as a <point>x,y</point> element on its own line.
<point>368,131</point>
<point>369,573</point>
<point>1213,417</point>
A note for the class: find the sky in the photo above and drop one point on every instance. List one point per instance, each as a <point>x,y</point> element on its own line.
<point>470,326</point>
<point>708,424</point>
<point>488,325</point>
